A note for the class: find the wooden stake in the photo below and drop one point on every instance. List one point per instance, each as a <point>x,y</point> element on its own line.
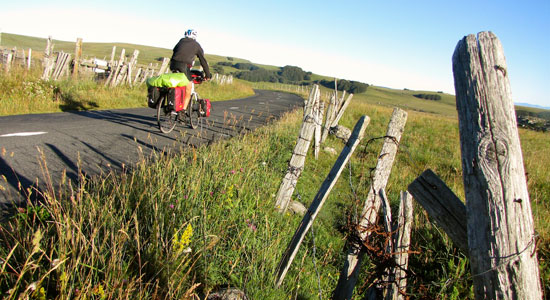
<point>77,56</point>
<point>29,59</point>
<point>443,206</point>
<point>369,215</point>
<point>164,66</point>
<point>320,198</point>
<point>402,240</point>
<point>296,164</point>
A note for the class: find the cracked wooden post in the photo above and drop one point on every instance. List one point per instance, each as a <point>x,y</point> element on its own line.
<point>328,117</point>
<point>164,66</point>
<point>342,110</point>
<point>318,127</point>
<point>501,234</point>
<point>77,56</point>
<point>29,59</point>
<point>369,215</point>
<point>320,198</point>
<point>443,206</point>
<point>296,164</point>
<point>131,65</point>
<point>111,80</point>
<point>48,59</point>
<point>112,60</point>
<point>402,240</point>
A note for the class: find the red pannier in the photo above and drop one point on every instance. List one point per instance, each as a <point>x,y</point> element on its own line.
<point>205,107</point>
<point>176,97</point>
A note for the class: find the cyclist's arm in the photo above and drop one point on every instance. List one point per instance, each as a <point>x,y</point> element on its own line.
<point>204,63</point>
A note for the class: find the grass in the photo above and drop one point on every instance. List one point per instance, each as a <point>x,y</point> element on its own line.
<point>26,93</point>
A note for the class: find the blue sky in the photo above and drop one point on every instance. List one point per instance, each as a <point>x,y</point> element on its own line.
<point>397,44</point>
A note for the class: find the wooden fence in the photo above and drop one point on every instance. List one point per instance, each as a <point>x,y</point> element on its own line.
<point>494,228</point>
<point>57,65</point>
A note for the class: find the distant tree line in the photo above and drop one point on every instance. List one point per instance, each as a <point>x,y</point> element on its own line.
<point>288,75</point>
<point>428,96</point>
<point>354,87</point>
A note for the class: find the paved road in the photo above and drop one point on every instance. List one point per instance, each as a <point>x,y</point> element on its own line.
<point>96,141</point>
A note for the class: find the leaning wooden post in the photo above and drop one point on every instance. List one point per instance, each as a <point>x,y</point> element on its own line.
<point>164,66</point>
<point>320,198</point>
<point>342,110</point>
<point>296,164</point>
<point>369,215</point>
<point>328,117</point>
<point>131,66</point>
<point>318,127</point>
<point>111,80</point>
<point>77,56</point>
<point>442,205</point>
<point>501,234</point>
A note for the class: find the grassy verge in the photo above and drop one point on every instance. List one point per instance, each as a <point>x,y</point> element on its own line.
<point>25,93</point>
<point>183,224</point>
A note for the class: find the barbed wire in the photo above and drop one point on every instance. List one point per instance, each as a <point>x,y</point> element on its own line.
<point>387,259</point>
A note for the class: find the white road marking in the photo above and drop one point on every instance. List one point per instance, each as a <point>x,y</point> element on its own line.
<point>23,134</point>
<point>234,107</point>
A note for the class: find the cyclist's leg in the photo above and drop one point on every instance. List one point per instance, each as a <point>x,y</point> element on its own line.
<point>188,90</point>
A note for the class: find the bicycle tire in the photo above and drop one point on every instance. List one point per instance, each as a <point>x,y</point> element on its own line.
<point>166,120</point>
<point>193,111</point>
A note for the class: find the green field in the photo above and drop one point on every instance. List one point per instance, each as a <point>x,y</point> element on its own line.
<point>180,225</point>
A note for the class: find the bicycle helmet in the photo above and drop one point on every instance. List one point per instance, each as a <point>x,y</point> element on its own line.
<point>191,33</point>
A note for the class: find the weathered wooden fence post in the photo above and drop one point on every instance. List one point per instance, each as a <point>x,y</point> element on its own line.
<point>318,127</point>
<point>501,235</point>
<point>131,65</point>
<point>61,65</point>
<point>401,241</point>
<point>442,205</point>
<point>296,164</point>
<point>342,109</point>
<point>48,59</point>
<point>7,65</point>
<point>112,60</point>
<point>77,56</point>
<point>329,116</point>
<point>29,59</point>
<point>111,80</point>
<point>320,198</point>
<point>164,66</point>
<point>369,215</point>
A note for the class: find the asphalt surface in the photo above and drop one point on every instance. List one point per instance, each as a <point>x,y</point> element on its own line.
<point>39,148</point>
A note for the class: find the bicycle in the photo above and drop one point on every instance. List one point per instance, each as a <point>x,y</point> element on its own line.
<point>168,118</point>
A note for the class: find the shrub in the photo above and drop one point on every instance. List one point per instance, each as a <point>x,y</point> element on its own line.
<point>246,66</point>
<point>259,74</point>
<point>353,87</point>
<point>428,96</point>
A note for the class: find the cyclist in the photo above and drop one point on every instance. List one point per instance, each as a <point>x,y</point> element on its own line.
<point>183,59</point>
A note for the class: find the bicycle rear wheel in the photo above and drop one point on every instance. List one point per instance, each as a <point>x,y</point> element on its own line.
<point>193,111</point>
<point>165,118</point>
